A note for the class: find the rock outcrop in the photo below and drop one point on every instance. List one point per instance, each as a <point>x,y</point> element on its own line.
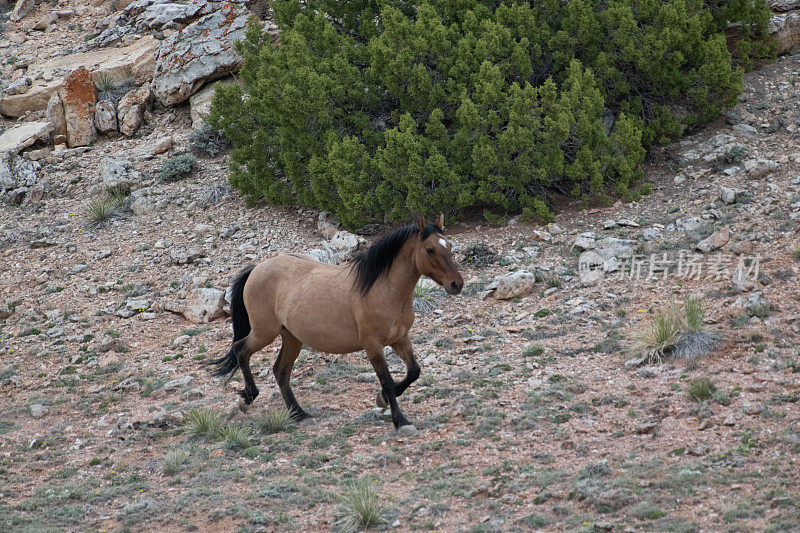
<point>201,52</point>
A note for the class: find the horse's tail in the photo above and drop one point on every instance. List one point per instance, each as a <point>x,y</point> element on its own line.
<point>228,363</point>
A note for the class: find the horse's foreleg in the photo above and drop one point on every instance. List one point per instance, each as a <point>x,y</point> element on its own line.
<point>388,388</point>
<point>290,349</point>
<point>405,351</point>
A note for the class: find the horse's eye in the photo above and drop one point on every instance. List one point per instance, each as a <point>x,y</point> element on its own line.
<point>430,250</point>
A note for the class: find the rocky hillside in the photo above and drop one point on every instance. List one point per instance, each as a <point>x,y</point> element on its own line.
<point>537,409</point>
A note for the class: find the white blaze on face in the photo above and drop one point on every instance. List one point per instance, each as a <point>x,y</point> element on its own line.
<point>447,245</point>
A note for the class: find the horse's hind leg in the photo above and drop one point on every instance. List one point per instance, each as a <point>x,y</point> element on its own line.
<point>290,349</point>
<point>244,349</point>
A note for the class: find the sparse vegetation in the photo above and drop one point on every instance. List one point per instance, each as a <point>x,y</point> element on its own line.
<point>361,505</point>
<point>178,167</point>
<point>207,142</point>
<point>204,423</point>
<point>99,211</point>
<point>272,421</point>
<point>236,435</point>
<point>173,462</point>
<point>700,389</point>
<point>675,333</point>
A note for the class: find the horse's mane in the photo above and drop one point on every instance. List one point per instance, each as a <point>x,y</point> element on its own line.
<point>376,261</point>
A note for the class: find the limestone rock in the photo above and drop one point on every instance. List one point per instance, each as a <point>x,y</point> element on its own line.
<point>22,8</point>
<point>731,195</point>
<point>118,173</point>
<point>200,103</point>
<point>783,5</point>
<point>204,305</point>
<point>105,116</point>
<point>514,285</point>
<point>19,86</point>
<point>20,137</point>
<point>78,97</point>
<point>131,108</point>
<point>17,177</point>
<point>757,168</point>
<point>785,27</point>
<point>38,410</point>
<point>137,60</point>
<point>715,241</point>
<point>345,245</point>
<point>201,52</point>
<point>55,115</point>
<point>585,241</point>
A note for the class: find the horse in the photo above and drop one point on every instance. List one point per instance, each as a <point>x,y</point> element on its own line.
<point>365,305</point>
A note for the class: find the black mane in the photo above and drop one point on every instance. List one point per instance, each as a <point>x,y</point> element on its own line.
<point>376,261</point>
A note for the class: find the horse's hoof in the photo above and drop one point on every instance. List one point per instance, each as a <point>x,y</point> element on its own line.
<point>407,431</point>
<point>380,401</point>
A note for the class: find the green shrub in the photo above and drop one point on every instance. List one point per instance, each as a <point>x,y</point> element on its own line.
<point>178,167</point>
<point>378,110</point>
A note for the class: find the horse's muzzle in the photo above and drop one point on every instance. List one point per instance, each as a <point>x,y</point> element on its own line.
<point>454,287</point>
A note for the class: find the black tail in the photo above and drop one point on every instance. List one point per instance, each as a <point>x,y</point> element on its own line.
<point>241,325</point>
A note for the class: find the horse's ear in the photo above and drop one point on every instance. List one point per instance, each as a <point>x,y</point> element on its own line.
<point>422,224</point>
<point>440,221</point>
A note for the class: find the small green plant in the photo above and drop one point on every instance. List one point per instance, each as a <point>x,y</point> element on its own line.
<point>659,338</point>
<point>700,389</point>
<point>173,462</point>
<point>275,421</point>
<point>236,435</point>
<point>796,254</point>
<point>676,333</point>
<point>533,351</point>
<point>423,297</point>
<point>360,506</point>
<point>178,167</point>
<point>99,211</point>
<point>760,311</point>
<point>204,423</point>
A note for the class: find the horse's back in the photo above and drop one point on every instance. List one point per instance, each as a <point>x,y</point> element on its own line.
<point>312,300</point>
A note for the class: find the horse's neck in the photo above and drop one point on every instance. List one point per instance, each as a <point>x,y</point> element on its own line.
<point>403,276</point>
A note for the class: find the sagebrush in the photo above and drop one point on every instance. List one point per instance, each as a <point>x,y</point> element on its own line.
<point>379,110</point>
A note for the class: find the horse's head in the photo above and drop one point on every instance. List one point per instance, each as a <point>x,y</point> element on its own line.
<point>434,257</point>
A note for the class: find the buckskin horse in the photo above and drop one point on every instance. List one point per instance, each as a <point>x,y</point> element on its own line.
<point>365,305</point>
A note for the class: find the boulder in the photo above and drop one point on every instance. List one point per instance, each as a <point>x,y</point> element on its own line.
<point>20,137</point>
<point>612,251</point>
<point>204,305</point>
<point>78,98</point>
<point>21,8</point>
<point>136,60</point>
<point>19,86</point>
<point>730,195</point>
<point>345,244</point>
<point>105,116</point>
<point>131,108</point>
<point>785,27</point>
<point>17,177</point>
<point>55,115</point>
<point>585,241</point>
<point>757,168</point>
<point>715,241</point>
<point>200,102</point>
<point>514,285</point>
<point>201,52</point>
<point>783,5</point>
<point>118,173</point>
<point>46,21</point>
